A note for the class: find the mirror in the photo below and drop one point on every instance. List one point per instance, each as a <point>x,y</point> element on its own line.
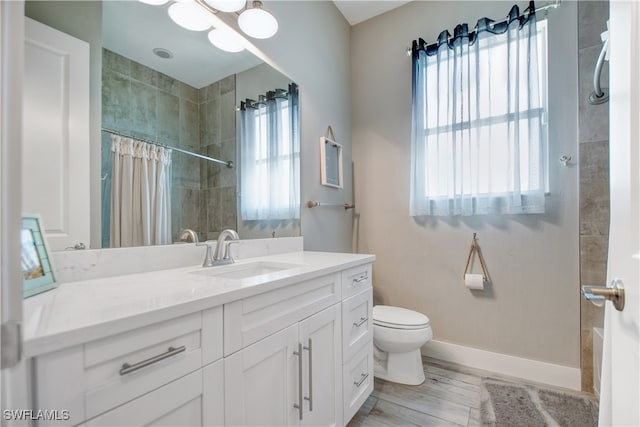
<point>164,85</point>
<point>185,96</point>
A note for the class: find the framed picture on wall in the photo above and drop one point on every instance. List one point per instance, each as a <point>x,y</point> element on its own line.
<point>37,270</point>
<point>330,163</point>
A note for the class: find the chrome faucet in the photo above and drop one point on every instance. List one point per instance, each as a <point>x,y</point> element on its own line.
<point>188,234</point>
<point>222,254</point>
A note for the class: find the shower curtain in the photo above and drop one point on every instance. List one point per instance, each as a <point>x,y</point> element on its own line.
<point>140,193</point>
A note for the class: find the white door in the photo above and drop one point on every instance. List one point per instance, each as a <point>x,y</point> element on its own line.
<point>55,159</point>
<point>320,336</point>
<point>261,382</point>
<point>620,388</point>
<point>13,377</point>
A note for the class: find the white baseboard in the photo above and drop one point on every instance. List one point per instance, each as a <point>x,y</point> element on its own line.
<point>531,370</point>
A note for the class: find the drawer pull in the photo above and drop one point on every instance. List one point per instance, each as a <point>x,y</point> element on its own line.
<point>359,383</point>
<point>310,398</point>
<point>361,322</point>
<point>172,351</point>
<point>361,279</point>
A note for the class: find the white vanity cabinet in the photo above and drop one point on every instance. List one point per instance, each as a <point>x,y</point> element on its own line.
<point>297,354</point>
<point>290,377</point>
<point>138,377</point>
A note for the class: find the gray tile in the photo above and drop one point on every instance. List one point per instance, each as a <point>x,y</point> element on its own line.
<point>211,123</point>
<point>228,84</point>
<point>168,118</point>
<point>213,169</point>
<point>227,208</point>
<point>116,96</point>
<point>189,136</point>
<point>144,74</point>
<point>593,260</point>
<point>212,92</point>
<point>213,210</point>
<point>114,62</point>
<point>228,115</point>
<point>143,110</point>
<point>593,119</point>
<point>592,20</point>
<point>594,188</point>
<point>188,93</point>
<point>168,84</point>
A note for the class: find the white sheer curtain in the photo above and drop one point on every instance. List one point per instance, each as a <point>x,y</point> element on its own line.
<point>269,165</point>
<point>479,111</point>
<point>140,193</point>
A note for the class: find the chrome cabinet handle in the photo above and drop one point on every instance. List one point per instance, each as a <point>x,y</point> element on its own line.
<point>298,405</point>
<point>363,377</point>
<point>361,279</point>
<point>599,294</point>
<point>127,368</point>
<point>310,398</point>
<point>361,322</point>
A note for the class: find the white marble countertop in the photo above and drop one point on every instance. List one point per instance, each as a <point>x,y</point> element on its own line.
<point>82,311</point>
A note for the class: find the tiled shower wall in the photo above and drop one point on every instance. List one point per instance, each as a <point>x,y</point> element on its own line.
<point>145,103</point>
<point>594,176</point>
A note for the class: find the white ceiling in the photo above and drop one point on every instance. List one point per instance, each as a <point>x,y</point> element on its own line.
<point>133,29</point>
<point>356,11</point>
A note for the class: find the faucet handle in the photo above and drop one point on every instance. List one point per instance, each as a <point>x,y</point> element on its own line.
<point>208,259</point>
<point>227,252</point>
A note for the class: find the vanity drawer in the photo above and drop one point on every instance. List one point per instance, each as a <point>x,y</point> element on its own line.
<point>355,280</point>
<point>357,376</point>
<point>177,403</point>
<point>357,322</point>
<point>248,320</point>
<point>120,368</point>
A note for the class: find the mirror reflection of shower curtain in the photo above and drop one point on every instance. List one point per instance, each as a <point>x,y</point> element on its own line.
<point>140,193</point>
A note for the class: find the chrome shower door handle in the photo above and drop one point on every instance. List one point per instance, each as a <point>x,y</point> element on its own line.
<point>613,293</point>
<point>298,405</point>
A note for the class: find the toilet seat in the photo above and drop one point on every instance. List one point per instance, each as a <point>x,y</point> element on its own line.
<point>399,318</point>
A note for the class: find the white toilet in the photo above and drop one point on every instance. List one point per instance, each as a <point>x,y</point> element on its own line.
<point>398,334</point>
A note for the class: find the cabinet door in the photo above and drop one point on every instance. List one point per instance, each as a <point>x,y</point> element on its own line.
<point>213,394</point>
<point>261,382</point>
<point>320,336</point>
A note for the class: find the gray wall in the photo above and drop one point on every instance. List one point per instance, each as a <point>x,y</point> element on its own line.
<point>531,309</point>
<point>83,20</point>
<point>594,176</point>
<point>312,48</point>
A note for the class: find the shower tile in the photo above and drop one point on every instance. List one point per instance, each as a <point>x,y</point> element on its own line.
<point>212,92</point>
<point>116,94</point>
<point>143,110</point>
<point>594,188</point>
<point>593,119</point>
<point>168,84</point>
<point>191,208</point>
<point>592,20</point>
<point>213,209</point>
<point>593,259</point>
<point>188,93</point>
<point>212,123</point>
<point>228,84</point>
<point>189,136</point>
<point>168,118</point>
<point>191,172</point>
<point>228,115</point>
<point>586,360</point>
<point>213,169</point>
<point>144,74</point>
<point>114,62</point>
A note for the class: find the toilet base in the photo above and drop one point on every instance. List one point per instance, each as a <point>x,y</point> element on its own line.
<point>401,368</point>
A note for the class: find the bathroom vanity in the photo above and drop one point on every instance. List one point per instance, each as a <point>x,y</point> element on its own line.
<point>284,339</point>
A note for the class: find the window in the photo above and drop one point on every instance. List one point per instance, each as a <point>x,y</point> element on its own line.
<point>270,157</point>
<point>479,137</point>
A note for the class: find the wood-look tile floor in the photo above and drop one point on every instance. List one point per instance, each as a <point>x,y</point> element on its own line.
<point>450,396</point>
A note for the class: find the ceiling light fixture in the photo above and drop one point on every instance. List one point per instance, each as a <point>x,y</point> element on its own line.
<point>199,15</point>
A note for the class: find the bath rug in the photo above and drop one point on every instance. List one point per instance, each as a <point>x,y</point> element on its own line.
<point>505,404</point>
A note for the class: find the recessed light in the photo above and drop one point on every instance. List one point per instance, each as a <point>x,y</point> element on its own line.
<point>163,53</point>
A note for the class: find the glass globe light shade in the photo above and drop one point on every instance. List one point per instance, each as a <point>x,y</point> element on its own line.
<point>226,40</point>
<point>258,23</point>
<point>227,5</point>
<point>190,16</point>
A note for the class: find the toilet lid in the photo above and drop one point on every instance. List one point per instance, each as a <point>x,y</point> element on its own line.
<point>400,318</point>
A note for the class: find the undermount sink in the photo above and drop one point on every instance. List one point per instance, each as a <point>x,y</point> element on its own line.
<point>244,271</point>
